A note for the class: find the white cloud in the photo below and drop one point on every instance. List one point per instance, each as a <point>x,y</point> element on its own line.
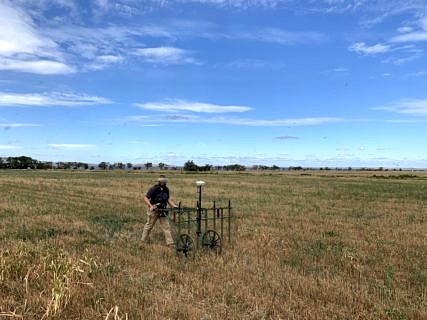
<point>276,35</point>
<point>417,74</point>
<point>362,48</point>
<point>109,59</point>
<point>182,105</point>
<point>415,107</point>
<point>411,37</point>
<point>280,122</point>
<point>341,69</point>
<point>236,3</point>
<point>211,31</point>
<point>104,61</point>
<point>44,67</point>
<point>405,29</point>
<point>252,64</point>
<point>18,34</point>
<point>92,42</point>
<point>407,121</point>
<point>119,7</point>
<point>23,48</point>
<point>27,47</point>
<point>38,6</point>
<point>49,99</point>
<point>71,146</point>
<point>7,126</point>
<point>402,60</point>
<point>406,34</point>
<point>234,121</point>
<point>288,138</point>
<point>9,147</point>
<point>165,55</point>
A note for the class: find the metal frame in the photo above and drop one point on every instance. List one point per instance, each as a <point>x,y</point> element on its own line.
<point>196,228</point>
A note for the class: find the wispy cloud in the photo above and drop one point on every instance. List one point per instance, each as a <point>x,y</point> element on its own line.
<point>241,4</point>
<point>9,147</point>
<point>411,37</point>
<point>252,64</point>
<point>27,47</point>
<point>104,61</point>
<point>283,122</point>
<point>120,7</point>
<point>233,120</point>
<point>362,48</point>
<point>401,53</point>
<point>165,55</point>
<point>404,29</point>
<point>268,34</point>
<point>23,48</point>
<point>417,74</point>
<point>341,69</point>
<point>71,146</point>
<point>276,35</point>
<point>177,105</point>
<point>49,99</point>
<point>7,126</point>
<point>287,138</point>
<point>415,107</point>
<point>61,47</point>
<point>411,32</point>
<point>406,121</point>
<point>403,60</point>
<point>371,12</point>
<point>44,67</point>
<point>377,8</point>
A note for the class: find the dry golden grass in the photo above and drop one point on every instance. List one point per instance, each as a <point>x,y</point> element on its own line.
<point>312,245</point>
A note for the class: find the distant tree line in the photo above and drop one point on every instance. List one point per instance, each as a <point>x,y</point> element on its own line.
<point>191,166</point>
<point>24,162</point>
<point>261,167</point>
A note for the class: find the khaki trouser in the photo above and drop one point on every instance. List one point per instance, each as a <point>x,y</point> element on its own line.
<point>152,217</point>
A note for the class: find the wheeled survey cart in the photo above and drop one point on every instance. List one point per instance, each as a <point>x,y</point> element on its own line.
<point>200,228</point>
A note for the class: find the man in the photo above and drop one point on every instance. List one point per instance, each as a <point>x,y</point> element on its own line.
<point>157,197</point>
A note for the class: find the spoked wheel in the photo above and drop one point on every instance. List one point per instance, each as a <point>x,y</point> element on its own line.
<point>186,244</point>
<point>212,240</point>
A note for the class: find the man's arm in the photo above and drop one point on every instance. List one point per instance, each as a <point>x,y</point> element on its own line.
<point>147,201</point>
<point>171,203</point>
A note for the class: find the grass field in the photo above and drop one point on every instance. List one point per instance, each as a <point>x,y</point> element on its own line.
<point>312,245</point>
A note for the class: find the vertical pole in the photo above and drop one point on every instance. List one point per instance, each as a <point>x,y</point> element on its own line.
<point>198,223</point>
<point>222,223</point>
<point>188,221</point>
<point>179,219</point>
<point>199,214</point>
<point>206,219</point>
<point>229,221</point>
<point>200,195</point>
<point>214,216</point>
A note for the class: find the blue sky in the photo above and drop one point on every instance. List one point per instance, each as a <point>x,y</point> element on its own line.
<point>285,82</point>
